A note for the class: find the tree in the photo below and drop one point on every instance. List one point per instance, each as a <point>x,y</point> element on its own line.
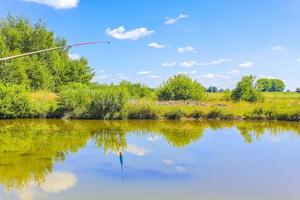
<point>298,90</point>
<point>277,85</point>
<point>181,87</point>
<point>212,89</point>
<point>48,70</point>
<point>246,90</point>
<point>137,90</point>
<point>263,85</point>
<point>270,85</point>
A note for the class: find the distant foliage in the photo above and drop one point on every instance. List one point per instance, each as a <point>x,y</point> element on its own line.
<point>212,89</point>
<point>47,70</point>
<point>137,90</point>
<point>270,85</point>
<point>245,90</point>
<point>181,87</point>
<point>298,90</point>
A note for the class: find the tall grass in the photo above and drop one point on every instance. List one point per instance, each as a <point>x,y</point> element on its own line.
<point>92,102</point>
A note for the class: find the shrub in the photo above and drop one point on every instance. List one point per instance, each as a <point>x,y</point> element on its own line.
<point>196,114</point>
<point>74,100</point>
<point>219,114</point>
<point>174,115</point>
<point>181,87</point>
<point>14,102</point>
<point>94,102</point>
<point>108,102</point>
<point>143,111</point>
<point>246,90</point>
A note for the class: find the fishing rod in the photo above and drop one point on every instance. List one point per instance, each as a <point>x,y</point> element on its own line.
<point>52,49</point>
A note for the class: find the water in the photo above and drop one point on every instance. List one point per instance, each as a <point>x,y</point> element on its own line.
<point>54,159</point>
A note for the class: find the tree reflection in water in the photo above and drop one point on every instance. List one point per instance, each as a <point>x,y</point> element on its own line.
<point>30,148</point>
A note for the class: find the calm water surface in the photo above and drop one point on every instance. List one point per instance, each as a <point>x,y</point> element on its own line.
<point>137,160</point>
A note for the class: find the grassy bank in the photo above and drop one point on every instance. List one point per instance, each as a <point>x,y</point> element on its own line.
<point>276,106</point>
<point>79,101</point>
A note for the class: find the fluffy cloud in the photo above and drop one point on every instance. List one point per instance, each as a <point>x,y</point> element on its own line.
<point>233,72</point>
<point>247,65</point>
<point>298,60</point>
<point>54,183</point>
<point>216,62</point>
<point>74,56</point>
<point>135,150</point>
<point>153,138</point>
<point>143,72</point>
<point>169,64</point>
<point>156,45</point>
<point>180,169</point>
<point>167,162</point>
<point>278,48</point>
<point>189,63</point>
<point>121,34</point>
<point>59,182</point>
<point>57,4</point>
<point>170,21</point>
<point>214,76</point>
<point>186,49</point>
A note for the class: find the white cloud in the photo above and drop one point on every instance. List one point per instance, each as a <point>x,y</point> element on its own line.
<point>216,62</point>
<point>170,21</point>
<point>189,63</point>
<point>247,65</point>
<point>57,4</point>
<point>194,72</point>
<point>214,76</point>
<point>74,56</point>
<point>180,169</point>
<point>278,48</point>
<point>232,72</point>
<point>59,182</point>
<point>169,64</point>
<point>167,162</point>
<point>121,34</point>
<point>298,60</point>
<point>134,149</point>
<point>54,183</point>
<point>154,76</point>
<point>186,49</point>
<point>143,72</point>
<point>153,138</point>
<point>156,45</point>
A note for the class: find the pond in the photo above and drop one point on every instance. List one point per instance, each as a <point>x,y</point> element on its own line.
<point>137,160</point>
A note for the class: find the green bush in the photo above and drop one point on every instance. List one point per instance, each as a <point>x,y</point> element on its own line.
<point>108,102</point>
<point>246,90</point>
<point>14,102</point>
<point>174,115</point>
<point>181,87</point>
<point>143,111</point>
<point>74,100</point>
<point>93,102</point>
<point>219,114</point>
<point>196,114</point>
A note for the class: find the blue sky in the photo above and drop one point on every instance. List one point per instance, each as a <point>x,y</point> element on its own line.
<point>215,42</point>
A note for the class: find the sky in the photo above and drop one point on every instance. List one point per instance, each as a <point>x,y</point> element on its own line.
<point>215,42</point>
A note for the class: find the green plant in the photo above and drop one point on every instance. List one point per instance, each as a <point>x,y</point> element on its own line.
<point>246,90</point>
<point>144,111</point>
<point>181,87</point>
<point>174,115</point>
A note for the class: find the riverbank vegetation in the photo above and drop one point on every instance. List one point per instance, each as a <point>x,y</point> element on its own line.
<point>53,85</point>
